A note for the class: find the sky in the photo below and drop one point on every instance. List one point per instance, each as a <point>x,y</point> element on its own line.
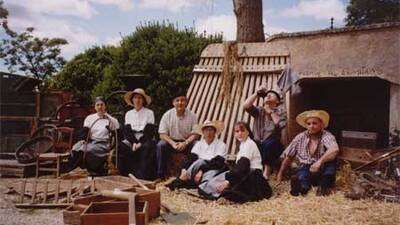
<point>85,23</point>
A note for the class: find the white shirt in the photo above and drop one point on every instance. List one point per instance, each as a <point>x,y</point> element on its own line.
<point>139,119</point>
<point>207,152</point>
<point>178,128</point>
<point>98,130</point>
<point>249,149</point>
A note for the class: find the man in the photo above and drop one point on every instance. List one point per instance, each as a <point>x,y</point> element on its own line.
<point>316,150</point>
<point>92,150</point>
<point>205,155</point>
<point>269,120</point>
<point>176,133</point>
<point>137,150</point>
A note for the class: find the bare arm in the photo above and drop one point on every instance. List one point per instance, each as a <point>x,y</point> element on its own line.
<point>250,101</point>
<point>326,157</point>
<point>168,139</point>
<point>286,162</point>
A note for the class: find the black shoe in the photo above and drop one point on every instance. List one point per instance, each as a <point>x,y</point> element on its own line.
<point>175,184</point>
<point>295,187</point>
<point>323,191</point>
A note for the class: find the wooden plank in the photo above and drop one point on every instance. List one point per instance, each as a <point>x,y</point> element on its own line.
<point>206,105</point>
<point>46,190</point>
<point>201,107</point>
<point>214,100</point>
<point>197,89</point>
<point>247,67</point>
<point>23,187</point>
<point>193,85</point>
<point>57,192</point>
<point>34,191</point>
<point>42,206</point>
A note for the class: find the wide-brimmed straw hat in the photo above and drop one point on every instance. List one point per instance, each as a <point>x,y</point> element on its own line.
<point>218,125</point>
<point>321,114</point>
<point>128,96</point>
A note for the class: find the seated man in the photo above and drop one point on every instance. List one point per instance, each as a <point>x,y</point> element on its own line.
<point>316,150</point>
<point>269,120</point>
<point>209,150</point>
<point>92,150</point>
<point>137,150</point>
<point>176,133</point>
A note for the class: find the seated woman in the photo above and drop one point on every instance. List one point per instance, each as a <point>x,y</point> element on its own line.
<point>137,150</point>
<point>245,181</point>
<point>316,150</point>
<point>92,150</point>
<point>205,154</point>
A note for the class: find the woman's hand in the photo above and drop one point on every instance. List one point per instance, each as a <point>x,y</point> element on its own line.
<point>198,177</point>
<point>221,187</point>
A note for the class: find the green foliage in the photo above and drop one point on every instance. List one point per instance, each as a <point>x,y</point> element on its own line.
<point>161,52</point>
<point>24,52</point>
<point>85,72</point>
<point>166,55</point>
<point>363,12</point>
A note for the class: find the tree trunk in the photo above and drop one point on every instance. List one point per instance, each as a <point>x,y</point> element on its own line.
<point>249,24</point>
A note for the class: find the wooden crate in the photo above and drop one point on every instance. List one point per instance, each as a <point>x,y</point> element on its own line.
<point>113,213</point>
<point>153,197</point>
<point>357,139</point>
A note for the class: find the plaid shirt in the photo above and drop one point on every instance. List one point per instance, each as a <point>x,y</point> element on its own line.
<point>263,127</point>
<point>299,147</point>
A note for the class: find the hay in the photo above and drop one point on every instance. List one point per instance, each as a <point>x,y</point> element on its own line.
<point>285,209</point>
<point>232,74</point>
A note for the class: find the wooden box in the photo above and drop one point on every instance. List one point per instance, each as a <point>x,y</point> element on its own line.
<point>113,213</point>
<point>153,197</point>
<point>357,139</point>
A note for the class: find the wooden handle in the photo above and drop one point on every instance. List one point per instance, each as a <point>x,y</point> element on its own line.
<point>163,205</point>
<point>117,194</point>
<point>138,181</point>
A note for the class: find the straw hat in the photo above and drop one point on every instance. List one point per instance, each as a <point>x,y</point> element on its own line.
<point>321,114</point>
<point>128,96</point>
<point>218,125</point>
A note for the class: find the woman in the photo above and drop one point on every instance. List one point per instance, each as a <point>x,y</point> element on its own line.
<point>137,150</point>
<point>92,150</point>
<point>244,182</point>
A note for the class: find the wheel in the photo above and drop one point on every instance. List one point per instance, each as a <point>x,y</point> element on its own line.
<point>28,151</point>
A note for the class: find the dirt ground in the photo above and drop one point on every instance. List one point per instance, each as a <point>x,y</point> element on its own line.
<point>280,209</point>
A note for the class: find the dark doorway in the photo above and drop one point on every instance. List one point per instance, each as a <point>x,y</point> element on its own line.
<point>355,104</point>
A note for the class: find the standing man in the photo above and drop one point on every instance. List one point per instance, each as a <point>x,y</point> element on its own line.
<point>316,150</point>
<point>176,133</point>
<point>269,120</point>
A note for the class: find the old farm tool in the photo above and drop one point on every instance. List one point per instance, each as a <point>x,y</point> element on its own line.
<point>169,216</point>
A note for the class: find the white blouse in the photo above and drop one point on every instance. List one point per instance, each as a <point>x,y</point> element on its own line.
<point>97,125</point>
<point>249,149</point>
<point>209,151</point>
<point>139,119</point>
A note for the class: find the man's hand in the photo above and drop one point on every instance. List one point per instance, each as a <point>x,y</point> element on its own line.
<point>262,88</point>
<point>174,145</point>
<point>221,187</point>
<point>315,167</point>
<point>180,146</point>
<point>198,177</point>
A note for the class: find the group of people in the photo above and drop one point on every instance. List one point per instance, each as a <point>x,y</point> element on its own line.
<point>205,167</point>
